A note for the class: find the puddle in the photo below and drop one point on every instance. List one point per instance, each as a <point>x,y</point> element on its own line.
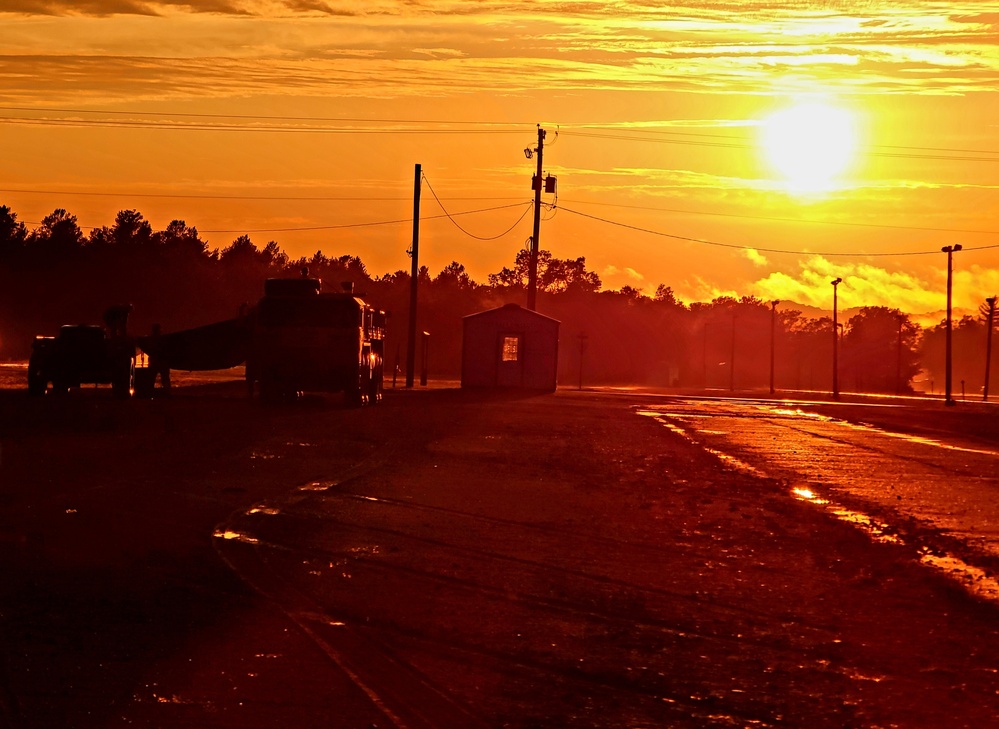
<point>662,418</point>
<point>876,530</point>
<point>973,579</point>
<point>799,413</point>
<point>735,463</point>
<point>268,510</point>
<point>918,439</point>
<point>868,428</point>
<point>228,534</point>
<point>316,486</point>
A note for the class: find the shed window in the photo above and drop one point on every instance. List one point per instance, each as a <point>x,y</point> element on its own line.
<point>511,349</point>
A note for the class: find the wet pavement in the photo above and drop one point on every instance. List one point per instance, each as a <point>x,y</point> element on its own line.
<point>933,492</point>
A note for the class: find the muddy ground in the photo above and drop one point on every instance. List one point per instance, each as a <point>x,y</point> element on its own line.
<point>446,560</point>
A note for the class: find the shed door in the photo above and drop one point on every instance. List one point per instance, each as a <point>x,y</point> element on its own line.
<point>510,367</point>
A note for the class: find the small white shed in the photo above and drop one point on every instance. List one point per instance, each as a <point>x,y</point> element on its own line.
<point>510,347</point>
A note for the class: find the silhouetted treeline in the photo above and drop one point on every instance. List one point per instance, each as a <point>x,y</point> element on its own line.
<point>55,274</point>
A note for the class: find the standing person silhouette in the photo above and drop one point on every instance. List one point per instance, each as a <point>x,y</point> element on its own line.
<point>158,364</point>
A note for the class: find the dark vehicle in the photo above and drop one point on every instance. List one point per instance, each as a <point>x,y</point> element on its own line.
<point>306,340</point>
<point>81,354</point>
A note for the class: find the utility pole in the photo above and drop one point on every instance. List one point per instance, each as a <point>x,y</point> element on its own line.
<point>835,392</point>
<point>991,301</point>
<point>898,357</point>
<point>532,273</point>
<point>773,339</point>
<point>949,250</point>
<point>731,369</point>
<point>415,253</point>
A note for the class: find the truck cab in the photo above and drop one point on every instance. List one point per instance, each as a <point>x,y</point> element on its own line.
<point>81,354</point>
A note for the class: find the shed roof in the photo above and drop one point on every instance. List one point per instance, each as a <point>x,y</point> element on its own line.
<point>515,309</point>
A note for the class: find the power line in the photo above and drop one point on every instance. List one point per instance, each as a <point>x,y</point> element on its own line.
<point>958,156</point>
<point>472,235</point>
<point>787,220</point>
<point>200,127</point>
<point>350,120</point>
<point>736,246</point>
<point>578,129</point>
<point>741,138</point>
<point>327,227</point>
<point>232,197</point>
<point>366,225</point>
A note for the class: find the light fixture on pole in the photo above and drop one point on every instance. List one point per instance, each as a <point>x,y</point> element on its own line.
<point>835,378</point>
<point>949,250</point>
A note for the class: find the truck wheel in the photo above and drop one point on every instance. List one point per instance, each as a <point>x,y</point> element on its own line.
<point>352,397</point>
<point>270,392</point>
<point>123,384</point>
<point>375,390</point>
<point>36,384</point>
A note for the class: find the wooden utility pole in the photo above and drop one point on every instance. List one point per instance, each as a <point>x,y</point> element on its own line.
<point>731,364</point>
<point>532,271</point>
<point>898,356</point>
<point>991,301</point>
<point>949,250</point>
<point>415,253</point>
<point>835,373</point>
<point>773,340</point>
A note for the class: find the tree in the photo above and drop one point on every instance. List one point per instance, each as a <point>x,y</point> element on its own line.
<point>58,238</point>
<point>630,292</point>
<point>180,239</point>
<point>13,234</point>
<point>880,350</point>
<point>241,250</point>
<point>570,276</point>
<point>454,276</point>
<point>131,229</point>
<point>555,275</point>
<point>664,294</point>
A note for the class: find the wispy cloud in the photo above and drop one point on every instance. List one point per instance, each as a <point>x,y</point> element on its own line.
<point>710,48</point>
<point>866,284</point>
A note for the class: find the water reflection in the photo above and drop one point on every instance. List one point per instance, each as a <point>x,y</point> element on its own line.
<point>878,531</point>
<point>231,535</point>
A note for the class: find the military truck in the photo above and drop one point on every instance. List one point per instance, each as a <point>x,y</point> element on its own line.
<point>81,354</point>
<point>304,339</point>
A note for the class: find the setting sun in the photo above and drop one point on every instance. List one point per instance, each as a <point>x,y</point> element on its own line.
<point>809,145</point>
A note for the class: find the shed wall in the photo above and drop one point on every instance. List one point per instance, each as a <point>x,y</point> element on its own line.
<point>482,349</point>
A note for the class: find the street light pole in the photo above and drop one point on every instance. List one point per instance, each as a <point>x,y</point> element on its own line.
<point>898,357</point>
<point>835,379</point>
<point>949,250</point>
<point>731,368</point>
<point>991,301</point>
<point>773,331</point>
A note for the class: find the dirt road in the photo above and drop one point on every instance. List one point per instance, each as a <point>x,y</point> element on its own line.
<point>447,560</point>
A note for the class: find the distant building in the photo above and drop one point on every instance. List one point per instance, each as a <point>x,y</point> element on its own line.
<point>510,347</point>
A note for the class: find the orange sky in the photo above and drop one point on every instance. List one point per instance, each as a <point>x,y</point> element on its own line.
<point>274,116</point>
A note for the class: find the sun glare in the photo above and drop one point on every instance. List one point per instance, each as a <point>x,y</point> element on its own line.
<point>809,145</point>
